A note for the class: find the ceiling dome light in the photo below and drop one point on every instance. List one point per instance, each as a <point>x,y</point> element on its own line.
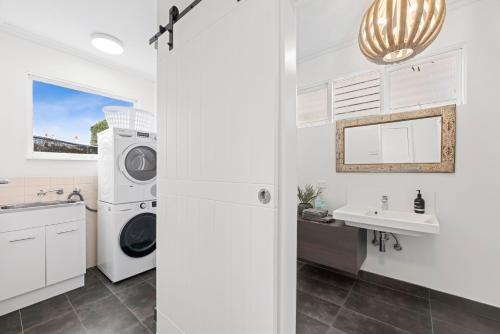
<point>107,43</point>
<point>396,30</point>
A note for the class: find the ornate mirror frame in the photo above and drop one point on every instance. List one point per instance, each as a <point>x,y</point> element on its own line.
<point>448,142</point>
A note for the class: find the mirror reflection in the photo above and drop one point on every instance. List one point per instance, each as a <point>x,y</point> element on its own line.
<point>411,141</point>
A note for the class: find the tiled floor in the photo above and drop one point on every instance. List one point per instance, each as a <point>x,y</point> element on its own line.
<point>327,303</point>
<point>99,307</point>
<point>330,303</point>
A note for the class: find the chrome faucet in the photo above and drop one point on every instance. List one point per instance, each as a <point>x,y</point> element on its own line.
<point>385,202</point>
<point>4,181</point>
<point>45,192</point>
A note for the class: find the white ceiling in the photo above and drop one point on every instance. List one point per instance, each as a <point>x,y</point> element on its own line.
<point>329,24</point>
<point>324,24</point>
<point>69,24</point>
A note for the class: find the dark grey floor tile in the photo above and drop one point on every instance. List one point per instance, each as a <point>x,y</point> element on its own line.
<point>472,322</point>
<point>316,308</point>
<point>140,299</point>
<point>467,305</point>
<point>300,264</point>
<point>441,327</point>
<point>412,289</point>
<point>323,290</point>
<point>107,315</point>
<point>334,330</point>
<point>152,281</point>
<point>403,318</point>
<point>354,323</point>
<point>10,323</point>
<point>45,310</point>
<point>326,276</point>
<point>65,324</point>
<point>126,283</point>
<point>307,325</point>
<point>93,290</point>
<point>136,329</point>
<point>148,274</point>
<point>150,323</point>
<point>391,296</point>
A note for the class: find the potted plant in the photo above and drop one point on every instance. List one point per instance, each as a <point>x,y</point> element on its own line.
<point>306,196</point>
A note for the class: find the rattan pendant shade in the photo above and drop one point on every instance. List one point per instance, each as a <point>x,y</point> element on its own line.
<point>396,30</point>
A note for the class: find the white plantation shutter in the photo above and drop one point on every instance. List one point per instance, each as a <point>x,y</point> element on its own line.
<point>433,82</point>
<point>313,106</point>
<point>357,95</point>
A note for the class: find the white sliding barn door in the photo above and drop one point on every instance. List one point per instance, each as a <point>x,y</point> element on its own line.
<point>220,105</point>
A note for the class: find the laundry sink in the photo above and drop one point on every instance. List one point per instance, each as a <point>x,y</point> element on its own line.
<point>399,222</point>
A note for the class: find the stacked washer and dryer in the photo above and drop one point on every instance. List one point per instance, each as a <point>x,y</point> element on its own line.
<point>126,234</point>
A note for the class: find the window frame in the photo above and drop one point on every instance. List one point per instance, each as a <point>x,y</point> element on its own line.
<point>33,155</point>
<point>458,52</point>
<point>329,104</point>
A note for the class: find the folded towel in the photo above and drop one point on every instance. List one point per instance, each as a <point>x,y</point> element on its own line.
<point>314,213</point>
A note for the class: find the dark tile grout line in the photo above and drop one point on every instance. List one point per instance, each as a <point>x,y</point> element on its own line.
<point>73,309</point>
<point>430,313</point>
<point>76,313</point>
<point>21,321</point>
<point>349,293</point>
<point>47,320</point>
<point>393,289</point>
<point>135,316</point>
<point>356,279</point>
<point>342,306</point>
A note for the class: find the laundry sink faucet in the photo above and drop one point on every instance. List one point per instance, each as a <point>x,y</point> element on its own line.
<point>45,192</point>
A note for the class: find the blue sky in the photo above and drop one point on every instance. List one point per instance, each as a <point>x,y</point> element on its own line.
<point>65,113</point>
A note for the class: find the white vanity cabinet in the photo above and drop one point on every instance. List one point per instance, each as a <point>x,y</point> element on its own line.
<point>22,261</point>
<point>65,251</point>
<point>42,253</point>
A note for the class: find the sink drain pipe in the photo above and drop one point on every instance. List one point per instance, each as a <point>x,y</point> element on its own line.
<point>76,192</point>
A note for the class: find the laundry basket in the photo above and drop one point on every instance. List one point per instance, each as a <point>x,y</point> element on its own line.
<point>130,118</point>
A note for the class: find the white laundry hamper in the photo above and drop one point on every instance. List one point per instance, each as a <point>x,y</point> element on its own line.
<point>130,118</point>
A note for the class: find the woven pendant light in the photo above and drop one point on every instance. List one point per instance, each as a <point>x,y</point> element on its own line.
<point>396,30</point>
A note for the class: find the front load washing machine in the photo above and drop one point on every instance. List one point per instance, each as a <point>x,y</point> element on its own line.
<point>126,239</point>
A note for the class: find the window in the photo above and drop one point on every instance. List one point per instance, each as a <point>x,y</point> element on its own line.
<point>66,120</point>
<point>313,106</point>
<point>431,82</point>
<point>357,95</point>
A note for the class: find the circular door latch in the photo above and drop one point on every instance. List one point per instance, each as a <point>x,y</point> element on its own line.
<point>264,196</point>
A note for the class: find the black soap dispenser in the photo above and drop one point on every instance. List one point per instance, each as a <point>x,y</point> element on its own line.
<point>419,204</point>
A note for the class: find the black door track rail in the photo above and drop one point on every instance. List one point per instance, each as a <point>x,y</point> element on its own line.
<point>174,16</point>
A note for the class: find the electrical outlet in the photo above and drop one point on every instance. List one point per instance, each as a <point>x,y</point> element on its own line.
<point>321,184</point>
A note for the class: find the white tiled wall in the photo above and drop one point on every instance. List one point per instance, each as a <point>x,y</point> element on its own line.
<point>24,190</point>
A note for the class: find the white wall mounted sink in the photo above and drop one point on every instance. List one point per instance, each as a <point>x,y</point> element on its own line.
<point>399,222</point>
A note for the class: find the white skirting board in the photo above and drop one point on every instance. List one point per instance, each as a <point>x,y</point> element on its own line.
<point>39,295</point>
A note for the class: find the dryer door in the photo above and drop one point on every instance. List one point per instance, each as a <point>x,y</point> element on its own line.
<point>138,163</point>
<point>138,236</point>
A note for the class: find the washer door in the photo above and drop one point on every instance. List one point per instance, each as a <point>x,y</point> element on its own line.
<point>138,236</point>
<point>138,163</point>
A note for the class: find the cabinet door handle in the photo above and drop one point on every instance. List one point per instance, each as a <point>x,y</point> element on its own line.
<point>23,239</point>
<point>68,231</point>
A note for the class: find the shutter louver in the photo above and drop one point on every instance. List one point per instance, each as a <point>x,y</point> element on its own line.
<point>358,95</point>
<point>432,83</point>
<point>312,106</point>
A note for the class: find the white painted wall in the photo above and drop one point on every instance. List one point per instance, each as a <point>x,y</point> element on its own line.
<point>20,57</point>
<point>464,258</point>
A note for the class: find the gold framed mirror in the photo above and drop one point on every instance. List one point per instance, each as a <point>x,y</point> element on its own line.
<point>420,141</point>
